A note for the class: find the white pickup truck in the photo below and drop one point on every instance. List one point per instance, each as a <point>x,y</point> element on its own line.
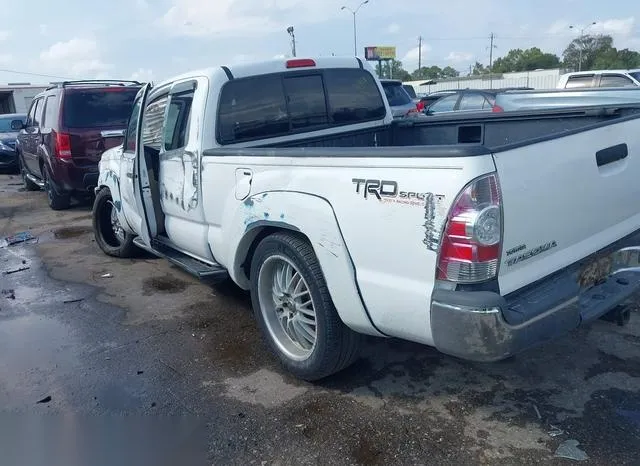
<point>479,235</point>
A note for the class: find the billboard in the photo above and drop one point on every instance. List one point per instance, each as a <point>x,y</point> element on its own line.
<point>380,53</point>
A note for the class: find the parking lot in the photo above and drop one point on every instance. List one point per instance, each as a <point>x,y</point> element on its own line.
<point>85,333</point>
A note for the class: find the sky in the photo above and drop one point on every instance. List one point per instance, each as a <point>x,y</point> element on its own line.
<point>156,39</point>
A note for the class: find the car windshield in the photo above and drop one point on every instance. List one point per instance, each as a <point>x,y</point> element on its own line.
<point>396,95</point>
<point>97,108</point>
<point>5,123</point>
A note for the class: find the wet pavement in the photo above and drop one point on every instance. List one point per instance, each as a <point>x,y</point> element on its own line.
<point>85,334</point>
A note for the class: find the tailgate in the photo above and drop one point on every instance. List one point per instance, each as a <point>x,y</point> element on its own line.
<point>566,198</point>
<point>88,145</point>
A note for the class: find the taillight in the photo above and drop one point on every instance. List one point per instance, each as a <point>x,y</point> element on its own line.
<point>472,237</point>
<point>63,146</point>
<point>300,63</point>
<point>420,106</point>
<point>497,109</point>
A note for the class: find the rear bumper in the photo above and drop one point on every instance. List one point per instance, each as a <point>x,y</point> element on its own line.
<point>484,326</point>
<point>71,177</point>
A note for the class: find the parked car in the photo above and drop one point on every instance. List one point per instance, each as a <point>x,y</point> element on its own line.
<point>402,105</point>
<point>599,78</point>
<point>486,255</point>
<point>426,100</point>
<point>10,124</point>
<point>67,129</point>
<point>466,100</point>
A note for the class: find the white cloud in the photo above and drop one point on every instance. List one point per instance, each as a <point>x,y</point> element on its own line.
<point>44,29</point>
<point>144,75</point>
<point>410,60</point>
<point>4,35</point>
<point>459,57</point>
<point>199,18</point>
<point>559,27</point>
<point>393,28</point>
<point>75,58</point>
<point>623,27</point>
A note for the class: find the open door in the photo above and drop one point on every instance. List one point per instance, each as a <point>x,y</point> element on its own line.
<point>141,185</point>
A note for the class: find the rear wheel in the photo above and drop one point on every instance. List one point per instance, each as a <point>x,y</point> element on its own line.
<point>56,200</point>
<point>294,309</point>
<point>28,184</point>
<point>109,234</point>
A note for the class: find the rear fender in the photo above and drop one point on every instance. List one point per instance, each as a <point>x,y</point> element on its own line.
<point>313,217</point>
<point>110,178</point>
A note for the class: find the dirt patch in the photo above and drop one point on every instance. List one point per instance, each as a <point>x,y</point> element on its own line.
<point>164,284</point>
<point>71,232</point>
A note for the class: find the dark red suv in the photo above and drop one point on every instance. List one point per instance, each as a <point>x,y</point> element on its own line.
<point>68,127</point>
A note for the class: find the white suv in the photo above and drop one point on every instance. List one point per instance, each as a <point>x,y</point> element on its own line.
<point>600,78</point>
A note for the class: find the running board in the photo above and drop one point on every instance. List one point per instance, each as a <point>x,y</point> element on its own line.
<point>35,180</point>
<point>205,272</point>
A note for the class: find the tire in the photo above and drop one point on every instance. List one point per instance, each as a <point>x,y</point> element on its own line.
<point>335,346</point>
<point>112,243</point>
<point>56,200</point>
<point>28,184</point>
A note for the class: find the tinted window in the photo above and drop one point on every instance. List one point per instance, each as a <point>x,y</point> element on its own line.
<point>410,90</point>
<point>37,120</point>
<point>307,106</point>
<point>98,108</point>
<point>176,132</point>
<point>50,112</point>
<point>32,113</point>
<point>153,120</point>
<point>132,129</point>
<point>396,95</point>
<point>474,101</point>
<point>353,96</point>
<point>615,80</point>
<point>579,81</point>
<point>446,104</point>
<point>635,75</point>
<point>252,108</point>
<point>5,123</point>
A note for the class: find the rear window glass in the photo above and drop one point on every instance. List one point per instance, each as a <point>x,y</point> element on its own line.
<point>98,108</point>
<point>396,95</point>
<point>279,104</point>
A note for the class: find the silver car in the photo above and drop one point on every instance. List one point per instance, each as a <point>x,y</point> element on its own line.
<point>401,103</point>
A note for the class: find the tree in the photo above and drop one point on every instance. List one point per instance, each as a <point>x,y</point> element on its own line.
<point>479,69</point>
<point>397,72</point>
<point>449,72</point>
<point>583,51</point>
<point>434,72</point>
<point>525,60</point>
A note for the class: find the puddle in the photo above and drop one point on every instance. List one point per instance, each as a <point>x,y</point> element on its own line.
<point>71,232</point>
<point>166,284</point>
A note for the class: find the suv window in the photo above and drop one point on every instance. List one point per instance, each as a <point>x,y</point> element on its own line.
<point>410,90</point>
<point>278,104</point>
<point>130,142</point>
<point>615,80</point>
<point>178,118</point>
<point>50,112</point>
<point>32,113</point>
<point>579,81</point>
<point>37,119</point>
<point>97,108</point>
<point>473,101</point>
<point>396,95</point>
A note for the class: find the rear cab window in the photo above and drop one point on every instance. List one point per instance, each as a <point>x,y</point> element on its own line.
<point>396,95</point>
<point>279,104</point>
<point>98,108</point>
<point>580,81</point>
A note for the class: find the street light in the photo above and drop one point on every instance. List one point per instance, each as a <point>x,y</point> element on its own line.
<point>293,40</point>
<point>581,42</point>
<point>353,12</point>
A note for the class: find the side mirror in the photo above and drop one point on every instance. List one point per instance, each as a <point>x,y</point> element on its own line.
<point>17,125</point>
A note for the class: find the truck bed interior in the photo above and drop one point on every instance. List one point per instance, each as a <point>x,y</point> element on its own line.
<point>458,135</point>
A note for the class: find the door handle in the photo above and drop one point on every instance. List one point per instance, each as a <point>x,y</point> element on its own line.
<point>612,154</point>
<point>130,175</point>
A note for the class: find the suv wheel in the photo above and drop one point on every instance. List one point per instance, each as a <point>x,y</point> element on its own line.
<point>295,312</point>
<point>109,234</point>
<point>56,200</point>
<point>28,184</point>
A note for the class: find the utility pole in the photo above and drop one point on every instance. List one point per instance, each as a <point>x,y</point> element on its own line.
<point>293,40</point>
<point>581,40</point>
<point>419,53</point>
<point>491,47</point>
<point>355,36</point>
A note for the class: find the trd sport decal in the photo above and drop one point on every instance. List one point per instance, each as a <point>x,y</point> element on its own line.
<point>387,191</point>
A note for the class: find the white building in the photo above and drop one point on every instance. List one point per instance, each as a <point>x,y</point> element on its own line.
<point>539,79</point>
<point>16,97</point>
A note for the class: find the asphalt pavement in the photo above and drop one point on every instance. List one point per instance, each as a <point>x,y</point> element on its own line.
<point>139,346</point>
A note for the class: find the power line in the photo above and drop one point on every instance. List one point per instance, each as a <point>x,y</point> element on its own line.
<point>33,74</point>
